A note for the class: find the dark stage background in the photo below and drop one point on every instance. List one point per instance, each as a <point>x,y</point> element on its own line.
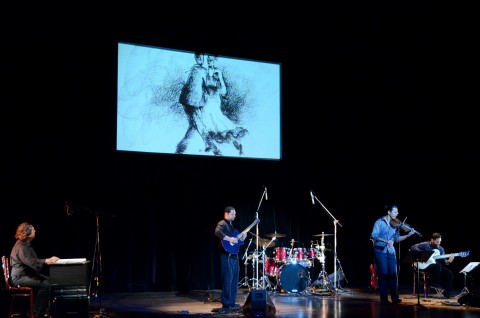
<point>367,119</point>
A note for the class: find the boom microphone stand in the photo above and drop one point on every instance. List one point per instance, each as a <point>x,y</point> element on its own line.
<point>257,235</point>
<point>335,222</point>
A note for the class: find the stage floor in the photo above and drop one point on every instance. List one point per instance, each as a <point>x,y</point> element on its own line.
<point>310,303</point>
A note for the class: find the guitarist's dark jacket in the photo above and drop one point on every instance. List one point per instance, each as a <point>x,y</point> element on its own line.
<point>224,228</point>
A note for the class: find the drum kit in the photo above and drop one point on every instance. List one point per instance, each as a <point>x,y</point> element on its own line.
<point>288,268</point>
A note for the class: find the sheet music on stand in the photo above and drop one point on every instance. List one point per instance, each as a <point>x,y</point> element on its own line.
<point>469,267</point>
<point>71,261</point>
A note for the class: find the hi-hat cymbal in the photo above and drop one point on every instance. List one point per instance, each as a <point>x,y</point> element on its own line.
<point>322,234</point>
<point>275,235</point>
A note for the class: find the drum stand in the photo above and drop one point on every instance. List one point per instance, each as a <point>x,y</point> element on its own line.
<point>322,280</point>
<point>263,282</point>
<point>244,281</point>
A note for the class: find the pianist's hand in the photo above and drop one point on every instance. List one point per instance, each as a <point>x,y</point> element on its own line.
<point>52,260</point>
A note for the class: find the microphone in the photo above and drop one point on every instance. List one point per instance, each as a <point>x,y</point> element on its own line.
<point>67,209</point>
<point>266,194</point>
<point>311,196</point>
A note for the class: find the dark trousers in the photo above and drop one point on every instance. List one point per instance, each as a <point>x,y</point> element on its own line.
<point>230,273</point>
<point>386,270</point>
<point>40,283</point>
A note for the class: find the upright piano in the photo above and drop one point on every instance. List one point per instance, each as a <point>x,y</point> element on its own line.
<point>69,280</point>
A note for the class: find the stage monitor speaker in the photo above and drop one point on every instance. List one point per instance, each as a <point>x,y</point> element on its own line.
<point>259,304</point>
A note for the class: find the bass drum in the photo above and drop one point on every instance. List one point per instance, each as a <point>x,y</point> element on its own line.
<point>293,278</point>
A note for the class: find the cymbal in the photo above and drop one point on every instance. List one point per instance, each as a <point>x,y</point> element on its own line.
<point>275,235</point>
<point>263,242</point>
<point>322,234</point>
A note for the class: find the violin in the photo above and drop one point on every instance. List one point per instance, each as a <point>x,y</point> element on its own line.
<point>396,223</point>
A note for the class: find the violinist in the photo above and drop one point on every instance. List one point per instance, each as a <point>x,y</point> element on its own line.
<point>438,267</point>
<point>386,231</point>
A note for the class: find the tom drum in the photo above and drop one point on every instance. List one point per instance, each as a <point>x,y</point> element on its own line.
<point>271,267</point>
<point>281,254</point>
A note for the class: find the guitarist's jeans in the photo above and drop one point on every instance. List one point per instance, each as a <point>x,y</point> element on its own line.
<point>230,274</point>
<point>386,268</point>
<point>442,276</point>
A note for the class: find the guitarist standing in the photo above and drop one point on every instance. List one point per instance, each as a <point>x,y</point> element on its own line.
<point>438,268</point>
<point>229,239</point>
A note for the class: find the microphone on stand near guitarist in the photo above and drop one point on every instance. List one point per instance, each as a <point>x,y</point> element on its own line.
<point>229,243</point>
<point>437,264</point>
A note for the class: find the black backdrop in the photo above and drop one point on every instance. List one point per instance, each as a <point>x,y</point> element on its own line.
<point>366,121</point>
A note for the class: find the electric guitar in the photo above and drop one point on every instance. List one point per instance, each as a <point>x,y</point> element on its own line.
<point>373,279</point>
<point>233,248</point>
<point>436,255</point>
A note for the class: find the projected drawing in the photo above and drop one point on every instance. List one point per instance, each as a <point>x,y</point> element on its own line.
<point>197,104</point>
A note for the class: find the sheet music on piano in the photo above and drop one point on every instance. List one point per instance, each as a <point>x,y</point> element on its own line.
<point>71,261</point>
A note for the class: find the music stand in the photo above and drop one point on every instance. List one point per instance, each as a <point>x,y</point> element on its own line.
<point>471,266</point>
<point>418,256</point>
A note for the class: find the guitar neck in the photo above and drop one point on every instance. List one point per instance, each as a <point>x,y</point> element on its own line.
<point>446,255</point>
<point>248,228</point>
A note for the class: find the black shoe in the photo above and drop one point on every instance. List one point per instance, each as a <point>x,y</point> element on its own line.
<point>396,301</point>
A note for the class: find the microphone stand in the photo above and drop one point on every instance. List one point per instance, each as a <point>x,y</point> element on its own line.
<point>97,269</point>
<point>98,264</point>
<point>257,241</point>
<point>335,222</point>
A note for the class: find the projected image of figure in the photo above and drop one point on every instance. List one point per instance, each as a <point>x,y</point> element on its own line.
<point>182,102</point>
<point>192,97</point>
<point>219,127</point>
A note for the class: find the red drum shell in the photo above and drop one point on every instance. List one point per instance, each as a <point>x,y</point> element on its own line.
<point>271,267</point>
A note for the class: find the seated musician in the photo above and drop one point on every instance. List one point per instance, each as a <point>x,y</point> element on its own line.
<point>26,268</point>
<point>441,274</point>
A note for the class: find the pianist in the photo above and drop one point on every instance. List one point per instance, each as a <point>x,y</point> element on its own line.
<point>26,268</point>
